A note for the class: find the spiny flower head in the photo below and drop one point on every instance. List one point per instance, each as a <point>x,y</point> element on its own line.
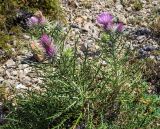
<point>115,27</point>
<point>51,51</point>
<point>37,19</point>
<point>46,40</point>
<point>47,43</point>
<point>107,20</point>
<point>41,18</point>
<point>32,21</point>
<point>104,18</point>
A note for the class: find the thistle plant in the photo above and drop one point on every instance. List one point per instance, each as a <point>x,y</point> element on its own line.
<point>38,29</point>
<point>84,93</point>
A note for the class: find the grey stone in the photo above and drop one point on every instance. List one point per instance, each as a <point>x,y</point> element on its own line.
<point>21,74</point>
<point>32,74</point>
<point>27,37</point>
<point>23,66</point>
<point>27,81</point>
<point>20,86</point>
<point>1,80</point>
<point>8,73</point>
<point>10,63</point>
<point>119,7</point>
<point>2,71</point>
<point>158,58</point>
<point>14,73</point>
<point>27,70</point>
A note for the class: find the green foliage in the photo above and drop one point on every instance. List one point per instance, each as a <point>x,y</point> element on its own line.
<point>83,92</point>
<point>8,14</point>
<point>50,8</point>
<point>155,26</point>
<point>137,5</point>
<point>4,45</point>
<point>9,45</point>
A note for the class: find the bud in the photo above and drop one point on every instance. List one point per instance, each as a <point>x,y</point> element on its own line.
<point>38,51</point>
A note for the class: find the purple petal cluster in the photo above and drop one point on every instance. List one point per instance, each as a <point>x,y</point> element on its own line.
<point>46,40</point>
<point>48,45</point>
<point>51,51</point>
<point>115,27</point>
<point>32,21</point>
<point>106,20</point>
<point>36,20</point>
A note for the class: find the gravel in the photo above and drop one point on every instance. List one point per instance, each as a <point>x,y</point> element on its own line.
<point>81,16</point>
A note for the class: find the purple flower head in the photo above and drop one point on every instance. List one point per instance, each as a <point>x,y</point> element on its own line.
<point>45,40</point>
<point>104,18</point>
<point>42,20</point>
<point>37,19</point>
<point>114,27</point>
<point>118,27</point>
<point>48,45</point>
<point>51,50</point>
<point>109,27</point>
<point>32,21</point>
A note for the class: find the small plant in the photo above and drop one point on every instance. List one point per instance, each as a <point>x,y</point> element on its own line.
<point>5,48</point>
<point>85,93</point>
<point>10,44</point>
<point>137,5</point>
<point>155,25</point>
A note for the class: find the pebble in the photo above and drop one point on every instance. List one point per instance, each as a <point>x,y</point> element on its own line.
<point>27,70</point>
<point>104,63</point>
<point>27,81</point>
<point>10,63</point>
<point>148,48</point>
<point>27,37</point>
<point>1,80</point>
<point>21,74</point>
<point>8,73</point>
<point>119,7</point>
<point>14,73</point>
<point>83,23</point>
<point>23,66</point>
<point>2,71</point>
<point>20,86</point>
<point>158,58</point>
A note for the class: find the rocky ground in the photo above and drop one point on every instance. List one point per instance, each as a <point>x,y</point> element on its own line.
<point>81,16</point>
<point>18,72</point>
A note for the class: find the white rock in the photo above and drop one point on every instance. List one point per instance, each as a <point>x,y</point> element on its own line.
<point>27,81</point>
<point>14,73</point>
<point>21,74</point>
<point>37,80</point>
<point>23,66</point>
<point>10,63</point>
<point>2,71</point>
<point>1,80</point>
<point>119,7</point>
<point>122,18</point>
<point>88,26</point>
<point>26,37</point>
<point>20,86</point>
<point>8,73</point>
<point>27,70</point>
<point>103,63</point>
<point>32,74</point>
